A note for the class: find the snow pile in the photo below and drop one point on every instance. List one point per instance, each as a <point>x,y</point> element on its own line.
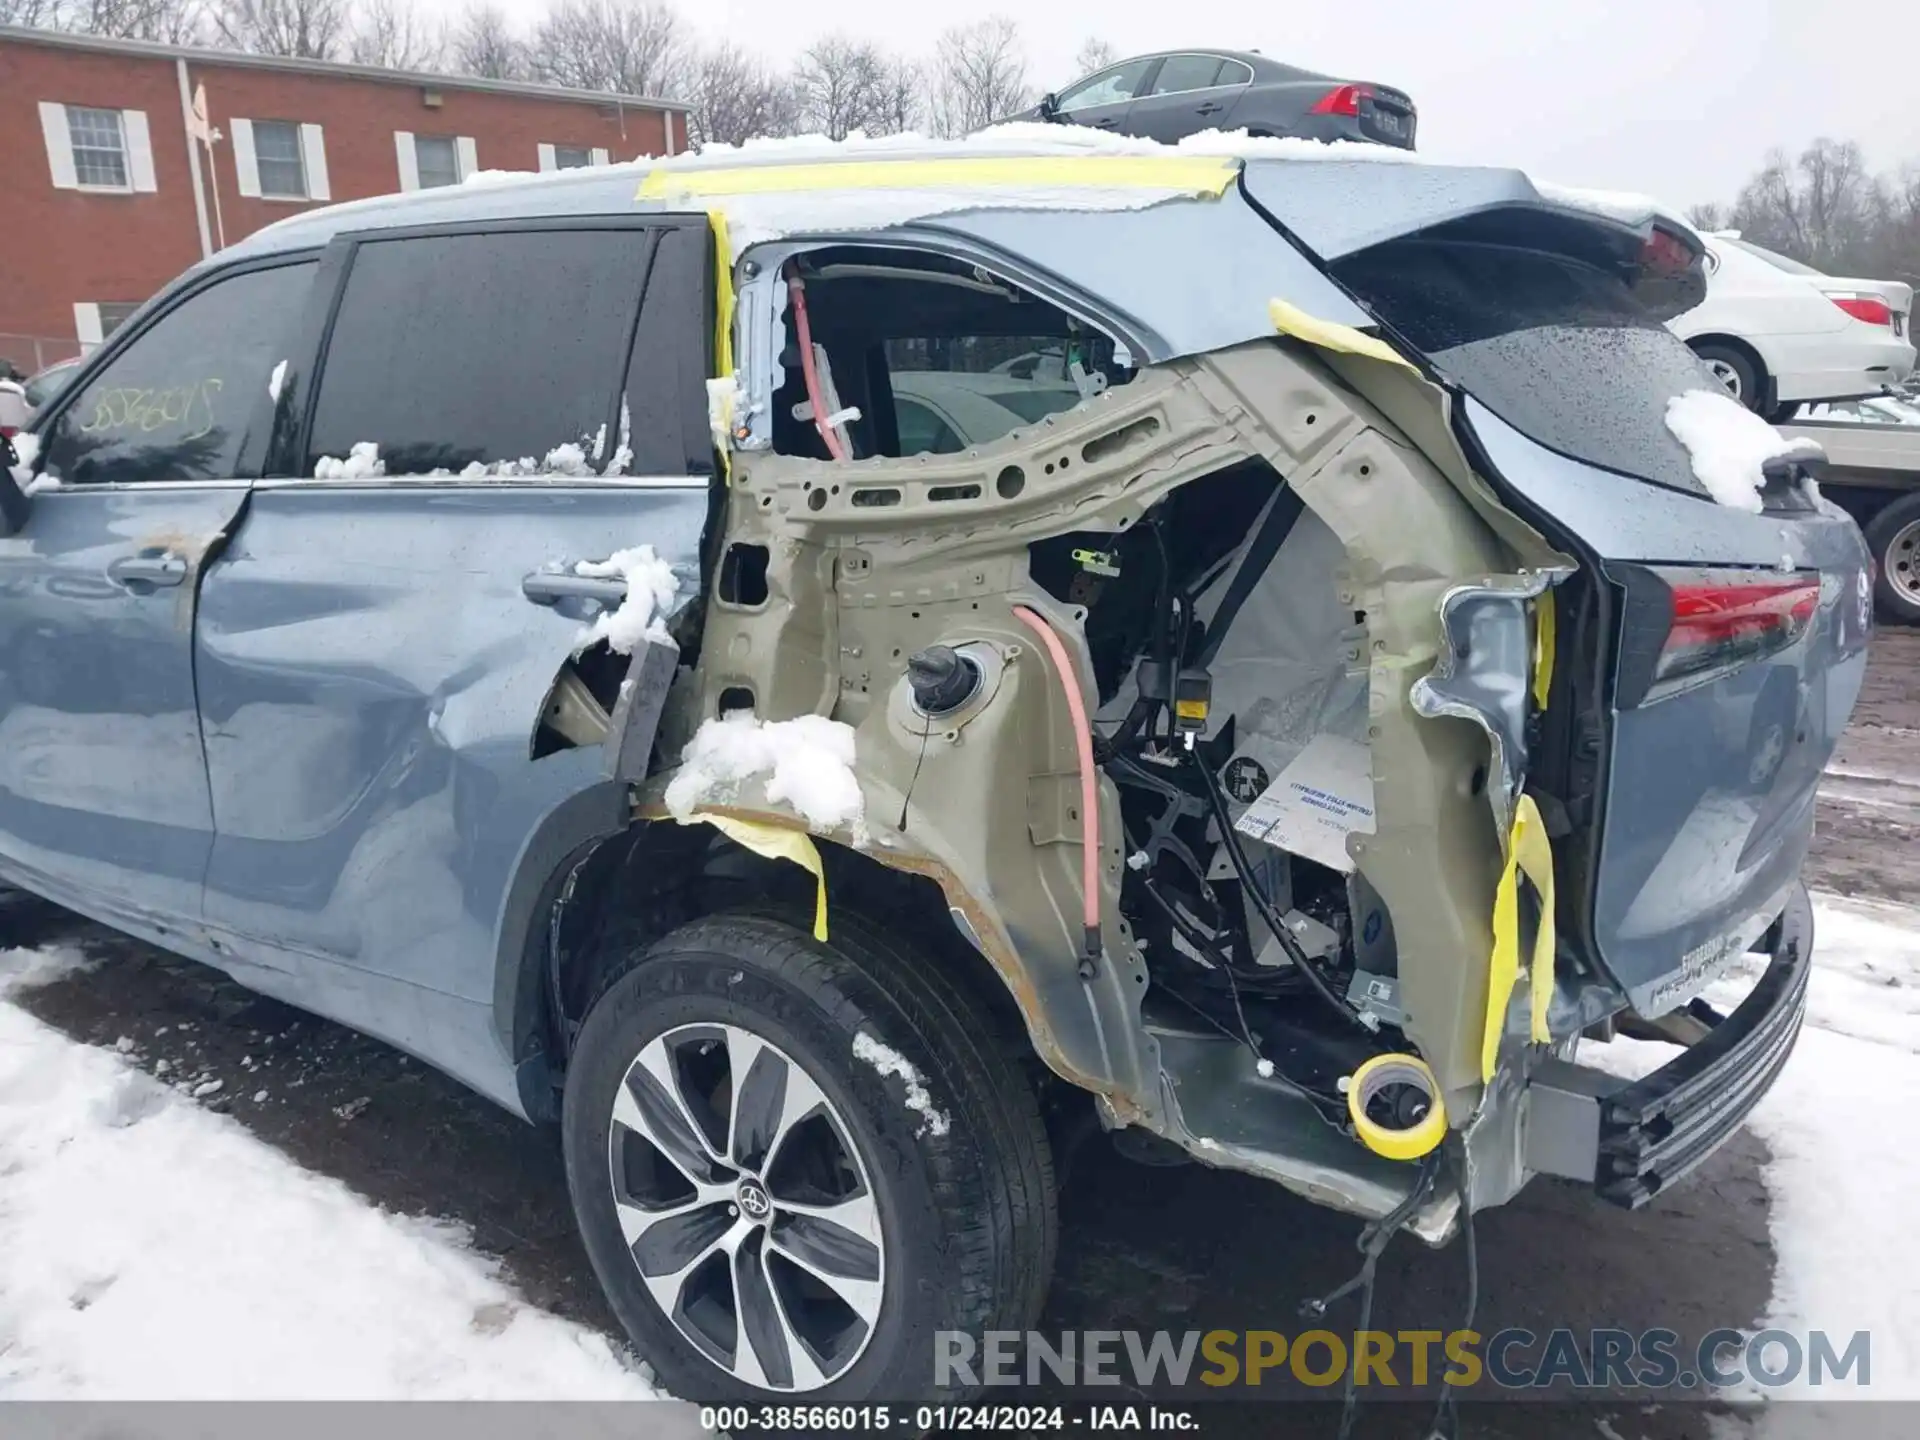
<point>1728,445</point>
<point>152,1250</point>
<point>651,587</point>
<point>362,462</point>
<point>808,763</point>
<point>889,1061</point>
<point>277,379</point>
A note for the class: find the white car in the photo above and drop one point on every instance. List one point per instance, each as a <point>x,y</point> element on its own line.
<point>1779,334</point>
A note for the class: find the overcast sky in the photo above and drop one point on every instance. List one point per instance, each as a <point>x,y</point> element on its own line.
<point>1681,99</point>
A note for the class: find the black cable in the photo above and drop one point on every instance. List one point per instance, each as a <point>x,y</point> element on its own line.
<point>1264,906</point>
<point>1446,1417</point>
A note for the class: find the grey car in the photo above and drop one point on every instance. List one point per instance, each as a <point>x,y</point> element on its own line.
<point>1184,92</point>
<point>1320,694</point>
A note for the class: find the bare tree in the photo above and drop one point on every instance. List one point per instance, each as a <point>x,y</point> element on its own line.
<point>34,14</point>
<point>736,97</point>
<point>172,22</point>
<point>899,98</point>
<point>1709,216</point>
<point>392,35</point>
<point>837,84</point>
<point>1818,207</point>
<point>482,43</point>
<point>979,75</point>
<point>634,47</point>
<point>304,29</point>
<point>1093,54</point>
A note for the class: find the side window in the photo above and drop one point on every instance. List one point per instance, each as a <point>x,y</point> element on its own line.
<point>664,419</point>
<point>1109,87</point>
<point>481,352</point>
<point>1186,72</point>
<point>174,405</point>
<point>1232,72</point>
<point>921,431</point>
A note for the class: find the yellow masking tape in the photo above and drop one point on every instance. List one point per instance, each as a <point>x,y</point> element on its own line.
<point>1376,1075</point>
<point>1329,334</point>
<point>1207,175</point>
<point>723,302</point>
<point>777,843</point>
<point>1529,853</point>
<point>1543,637</point>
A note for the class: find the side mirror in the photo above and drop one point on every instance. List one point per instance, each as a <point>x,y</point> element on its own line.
<point>1050,106</point>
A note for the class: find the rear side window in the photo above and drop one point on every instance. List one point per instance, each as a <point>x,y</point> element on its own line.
<point>1186,72</point>
<point>455,351</point>
<point>174,405</point>
<point>1558,348</point>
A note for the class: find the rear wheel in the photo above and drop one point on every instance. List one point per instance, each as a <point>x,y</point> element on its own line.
<point>794,1163</point>
<point>1735,369</point>
<point>1894,538</point>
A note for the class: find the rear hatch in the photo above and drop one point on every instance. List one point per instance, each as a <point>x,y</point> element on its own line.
<point>1710,655</point>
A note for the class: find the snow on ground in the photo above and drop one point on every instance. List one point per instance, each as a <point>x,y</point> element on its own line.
<point>1728,445</point>
<point>151,1249</point>
<point>1844,1175</point>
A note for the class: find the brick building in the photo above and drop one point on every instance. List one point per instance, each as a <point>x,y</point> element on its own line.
<point>104,197</point>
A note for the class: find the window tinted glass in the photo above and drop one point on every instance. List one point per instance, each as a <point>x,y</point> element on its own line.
<point>99,148</point>
<point>567,157</point>
<point>113,316</point>
<point>276,153</point>
<point>1185,72</point>
<point>1557,348</point>
<point>1232,72</point>
<point>922,432</point>
<point>1109,87</point>
<point>174,405</point>
<point>1779,262</point>
<point>983,386</point>
<point>436,160</point>
<point>666,394</point>
<point>456,350</point>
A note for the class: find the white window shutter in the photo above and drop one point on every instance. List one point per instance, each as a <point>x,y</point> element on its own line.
<point>469,156</point>
<point>246,165</point>
<point>409,162</point>
<point>546,156</point>
<point>53,124</point>
<point>86,323</point>
<point>313,149</point>
<point>599,155</point>
<point>139,151</point>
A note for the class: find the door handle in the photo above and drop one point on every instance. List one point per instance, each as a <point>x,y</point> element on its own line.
<point>547,587</point>
<point>1106,124</point>
<point>147,571</point>
<point>1209,109</point>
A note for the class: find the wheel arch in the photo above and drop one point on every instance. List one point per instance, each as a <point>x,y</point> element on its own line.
<point>1769,379</point>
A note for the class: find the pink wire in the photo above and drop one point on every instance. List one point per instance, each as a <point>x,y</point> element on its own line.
<point>1089,782</point>
<point>797,297</point>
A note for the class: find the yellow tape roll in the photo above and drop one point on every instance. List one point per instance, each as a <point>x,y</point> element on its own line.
<point>1375,1076</point>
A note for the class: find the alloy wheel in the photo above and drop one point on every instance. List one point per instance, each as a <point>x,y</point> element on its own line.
<point>1728,375</point>
<point>746,1207</point>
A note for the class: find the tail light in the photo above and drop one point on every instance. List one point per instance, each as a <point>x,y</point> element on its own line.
<point>1720,620</point>
<point>1342,100</point>
<point>1870,308</point>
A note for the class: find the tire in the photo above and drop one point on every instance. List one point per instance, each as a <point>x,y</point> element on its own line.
<point>1783,414</point>
<point>1894,538</point>
<point>1735,369</point>
<point>926,1141</point>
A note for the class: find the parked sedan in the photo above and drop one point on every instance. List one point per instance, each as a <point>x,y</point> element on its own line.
<point>1779,334</point>
<point>1165,97</point>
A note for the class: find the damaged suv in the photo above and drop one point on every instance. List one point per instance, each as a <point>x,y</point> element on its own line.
<point>925,648</point>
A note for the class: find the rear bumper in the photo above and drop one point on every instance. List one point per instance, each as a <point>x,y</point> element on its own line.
<point>1835,366</point>
<point>1633,1140</point>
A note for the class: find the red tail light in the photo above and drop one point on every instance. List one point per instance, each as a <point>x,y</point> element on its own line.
<point>1725,619</point>
<point>1870,308</point>
<point>1344,100</point>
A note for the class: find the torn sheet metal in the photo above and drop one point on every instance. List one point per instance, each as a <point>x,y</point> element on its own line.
<point>1485,674</point>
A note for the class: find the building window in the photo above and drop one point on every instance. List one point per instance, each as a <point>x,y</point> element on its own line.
<point>569,157</point>
<point>113,316</point>
<point>99,147</point>
<point>437,160</point>
<point>276,151</point>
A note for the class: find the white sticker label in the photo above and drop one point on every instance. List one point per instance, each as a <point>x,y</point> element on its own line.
<point>1325,795</point>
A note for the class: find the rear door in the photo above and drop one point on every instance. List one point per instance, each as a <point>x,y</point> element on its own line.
<point>1187,96</point>
<point>377,646</point>
<point>1104,100</point>
<point>104,800</point>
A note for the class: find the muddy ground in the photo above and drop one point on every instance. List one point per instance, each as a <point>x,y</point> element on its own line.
<point>1182,1249</point>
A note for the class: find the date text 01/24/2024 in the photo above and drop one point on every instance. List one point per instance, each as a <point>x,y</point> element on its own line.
<point>743,1420</point>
